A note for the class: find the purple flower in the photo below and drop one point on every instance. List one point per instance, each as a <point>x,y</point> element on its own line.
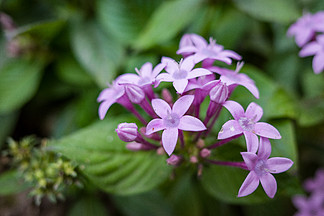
<point>261,168</point>
<point>306,27</point>
<point>316,184</point>
<point>127,132</point>
<point>201,50</point>
<point>180,73</point>
<point>172,120</point>
<point>247,123</point>
<point>234,78</point>
<point>311,206</point>
<point>315,48</point>
<point>147,75</point>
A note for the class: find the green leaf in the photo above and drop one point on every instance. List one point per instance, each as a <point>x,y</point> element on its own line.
<point>88,206</point>
<point>7,123</point>
<point>311,111</point>
<point>95,51</point>
<point>12,183</point>
<point>108,164</point>
<point>123,19</point>
<point>273,11</point>
<point>19,80</point>
<point>168,20</point>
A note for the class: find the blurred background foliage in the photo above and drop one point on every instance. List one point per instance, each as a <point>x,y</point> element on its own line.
<point>56,56</point>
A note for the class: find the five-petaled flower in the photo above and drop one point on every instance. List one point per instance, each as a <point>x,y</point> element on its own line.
<point>247,123</point>
<point>172,120</point>
<point>261,168</point>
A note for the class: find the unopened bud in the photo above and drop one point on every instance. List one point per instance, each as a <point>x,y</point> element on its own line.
<point>166,95</point>
<point>219,93</point>
<point>134,93</point>
<point>127,132</point>
<point>135,146</point>
<point>193,159</point>
<point>160,151</point>
<point>174,160</point>
<point>200,143</point>
<point>205,153</point>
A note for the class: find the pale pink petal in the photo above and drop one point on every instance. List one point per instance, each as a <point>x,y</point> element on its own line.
<point>300,201</point>
<point>254,111</point>
<point>266,130</point>
<point>309,49</point>
<point>249,185</point>
<point>106,94</point>
<point>187,64</point>
<point>251,87</point>
<point>231,54</point>
<point>318,62</point>
<point>180,85</point>
<point>146,69</point>
<point>157,69</point>
<point>252,142</point>
<point>303,37</point>
<point>161,107</point>
<point>198,72</point>
<point>279,164</point>
<point>250,159</point>
<point>182,105</point>
<point>190,123</point>
<point>187,49</point>
<point>198,41</point>
<point>269,184</point>
<point>264,148</point>
<point>103,108</point>
<point>169,139</point>
<point>198,57</point>
<point>171,64</point>
<point>230,129</point>
<point>235,109</point>
<point>154,126</point>
<point>165,77</point>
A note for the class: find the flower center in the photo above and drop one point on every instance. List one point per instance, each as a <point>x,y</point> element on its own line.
<point>246,123</point>
<point>171,120</point>
<point>180,74</point>
<point>261,168</point>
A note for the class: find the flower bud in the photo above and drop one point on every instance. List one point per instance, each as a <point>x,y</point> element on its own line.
<point>135,146</point>
<point>174,160</point>
<point>127,132</point>
<point>205,153</point>
<point>166,95</point>
<point>219,93</point>
<point>134,93</point>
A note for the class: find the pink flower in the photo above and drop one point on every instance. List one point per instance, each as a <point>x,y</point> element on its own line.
<point>173,120</point>
<point>261,168</point>
<point>247,123</point>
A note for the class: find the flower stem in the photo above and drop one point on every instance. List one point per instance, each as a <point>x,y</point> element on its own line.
<point>224,141</point>
<point>241,165</point>
<point>181,139</point>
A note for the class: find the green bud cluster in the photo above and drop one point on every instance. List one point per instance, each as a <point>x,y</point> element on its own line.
<point>49,173</point>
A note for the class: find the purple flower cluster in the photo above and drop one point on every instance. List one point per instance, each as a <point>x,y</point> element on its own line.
<point>195,78</point>
<point>309,35</point>
<point>313,205</point>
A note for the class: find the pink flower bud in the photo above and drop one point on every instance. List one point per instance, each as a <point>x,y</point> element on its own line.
<point>127,132</point>
<point>134,93</point>
<point>219,93</point>
<point>135,146</point>
<point>174,160</point>
<point>205,153</point>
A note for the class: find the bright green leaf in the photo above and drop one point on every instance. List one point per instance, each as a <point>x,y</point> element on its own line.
<point>107,162</point>
<point>282,11</point>
<point>168,20</point>
<point>12,183</point>
<point>19,80</point>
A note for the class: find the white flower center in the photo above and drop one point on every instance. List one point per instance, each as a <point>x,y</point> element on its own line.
<point>171,120</point>
<point>180,74</point>
<point>246,123</point>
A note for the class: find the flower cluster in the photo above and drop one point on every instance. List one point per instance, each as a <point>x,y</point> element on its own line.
<point>314,204</point>
<point>195,78</point>
<point>309,35</point>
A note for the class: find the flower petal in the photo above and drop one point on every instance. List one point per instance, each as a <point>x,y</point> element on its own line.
<point>303,37</point>
<point>154,126</point>
<point>180,85</point>
<point>198,72</point>
<point>146,69</point>
<point>187,49</point>
<point>190,123</point>
<point>171,64</point>
<point>157,69</point>
<point>252,142</point>
<point>161,107</point>
<point>254,111</point>
<point>230,129</point>
<point>266,130</point>
<point>235,109</point>
<point>187,64</point>
<point>249,185</point>
<point>182,105</point>
<point>103,108</point>
<point>269,184</point>
<point>106,94</point>
<point>169,139</point>
<point>318,62</point>
<point>264,148</point>
<point>250,159</point>
<point>309,49</point>
<point>279,164</point>
<point>251,87</point>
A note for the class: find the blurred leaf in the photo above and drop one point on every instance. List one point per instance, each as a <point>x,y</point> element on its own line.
<point>108,164</point>
<point>312,84</point>
<point>125,19</point>
<point>272,11</point>
<point>96,52</point>
<point>7,123</point>
<point>137,61</point>
<point>152,203</point>
<point>19,80</point>
<point>168,20</point>
<point>88,206</point>
<point>12,183</point>
<point>311,111</point>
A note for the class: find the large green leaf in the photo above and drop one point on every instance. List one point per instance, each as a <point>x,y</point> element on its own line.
<point>125,19</point>
<point>7,123</point>
<point>88,206</point>
<point>11,183</point>
<point>19,80</point>
<point>283,11</point>
<point>108,164</point>
<point>96,51</point>
<point>169,19</point>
